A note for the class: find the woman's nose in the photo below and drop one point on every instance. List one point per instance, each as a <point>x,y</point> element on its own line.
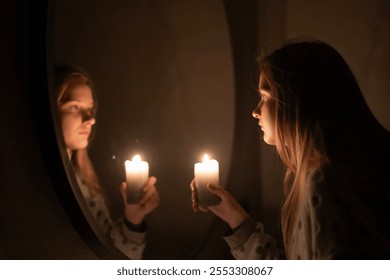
<point>256,113</point>
<point>88,117</point>
<point>92,120</point>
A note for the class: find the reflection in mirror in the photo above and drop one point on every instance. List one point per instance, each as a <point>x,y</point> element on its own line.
<point>77,108</point>
<point>163,75</point>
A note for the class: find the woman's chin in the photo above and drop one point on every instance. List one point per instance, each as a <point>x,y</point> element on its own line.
<point>269,140</point>
<point>78,146</point>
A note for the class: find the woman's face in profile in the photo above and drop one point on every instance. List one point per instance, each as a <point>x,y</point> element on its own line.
<point>265,111</point>
<point>77,118</point>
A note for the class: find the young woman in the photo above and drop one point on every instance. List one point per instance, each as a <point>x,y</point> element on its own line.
<point>337,181</point>
<point>77,107</point>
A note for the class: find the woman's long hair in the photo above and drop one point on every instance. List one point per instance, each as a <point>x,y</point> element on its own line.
<point>321,116</point>
<point>67,79</point>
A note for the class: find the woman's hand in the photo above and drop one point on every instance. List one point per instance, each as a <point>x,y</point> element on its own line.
<point>194,198</point>
<point>228,209</point>
<point>150,199</point>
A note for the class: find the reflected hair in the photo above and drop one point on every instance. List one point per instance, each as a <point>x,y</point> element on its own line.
<point>320,112</point>
<point>69,77</point>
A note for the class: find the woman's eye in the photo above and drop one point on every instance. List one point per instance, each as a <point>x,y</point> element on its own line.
<point>73,108</point>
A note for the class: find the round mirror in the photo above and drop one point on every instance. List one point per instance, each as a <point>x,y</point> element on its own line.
<point>163,76</point>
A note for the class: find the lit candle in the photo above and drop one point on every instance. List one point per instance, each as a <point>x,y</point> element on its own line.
<point>206,172</point>
<point>137,173</point>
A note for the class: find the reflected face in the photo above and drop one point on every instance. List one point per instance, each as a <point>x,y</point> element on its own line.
<point>265,111</point>
<point>77,117</point>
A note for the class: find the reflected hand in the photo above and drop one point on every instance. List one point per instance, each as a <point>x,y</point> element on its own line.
<point>229,209</point>
<point>150,199</point>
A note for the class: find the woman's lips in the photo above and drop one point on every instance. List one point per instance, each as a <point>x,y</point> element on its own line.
<point>85,132</point>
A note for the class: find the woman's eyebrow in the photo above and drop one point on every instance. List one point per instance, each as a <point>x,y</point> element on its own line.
<point>78,101</point>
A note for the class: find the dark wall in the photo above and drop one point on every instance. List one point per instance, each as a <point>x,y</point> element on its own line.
<point>33,223</point>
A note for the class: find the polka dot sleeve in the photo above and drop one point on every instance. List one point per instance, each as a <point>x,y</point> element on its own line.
<point>249,242</point>
<point>340,217</point>
<point>131,243</point>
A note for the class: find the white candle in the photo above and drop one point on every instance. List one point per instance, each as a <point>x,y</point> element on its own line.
<point>137,173</point>
<point>206,172</point>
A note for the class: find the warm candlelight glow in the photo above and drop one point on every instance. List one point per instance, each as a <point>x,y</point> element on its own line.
<point>136,158</point>
<point>206,172</point>
<point>137,173</point>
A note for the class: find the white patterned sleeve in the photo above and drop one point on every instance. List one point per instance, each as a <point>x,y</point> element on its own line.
<point>129,242</point>
<point>249,242</point>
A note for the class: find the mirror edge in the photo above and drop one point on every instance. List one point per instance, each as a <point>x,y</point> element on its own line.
<point>60,170</point>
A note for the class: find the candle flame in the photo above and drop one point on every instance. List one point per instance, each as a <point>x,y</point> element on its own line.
<point>136,158</point>
<point>206,158</point>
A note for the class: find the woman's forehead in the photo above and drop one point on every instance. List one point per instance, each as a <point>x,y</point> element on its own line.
<point>82,93</point>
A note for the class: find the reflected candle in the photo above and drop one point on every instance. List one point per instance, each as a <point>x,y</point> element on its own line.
<point>206,172</point>
<point>137,173</point>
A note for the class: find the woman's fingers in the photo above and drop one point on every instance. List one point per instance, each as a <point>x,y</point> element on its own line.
<point>148,189</point>
<point>153,202</point>
<point>122,189</point>
<point>151,181</point>
<point>219,191</point>
<point>194,196</point>
<point>149,192</point>
<point>203,209</point>
<point>192,184</point>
